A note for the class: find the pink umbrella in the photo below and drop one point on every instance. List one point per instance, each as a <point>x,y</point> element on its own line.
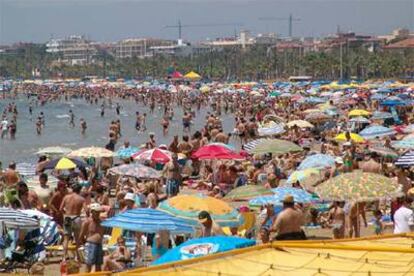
<point>215,152</point>
<point>156,155</point>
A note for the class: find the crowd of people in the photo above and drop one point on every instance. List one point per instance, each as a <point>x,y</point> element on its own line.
<point>85,196</point>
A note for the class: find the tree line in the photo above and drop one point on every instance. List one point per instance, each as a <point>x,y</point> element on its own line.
<point>255,63</point>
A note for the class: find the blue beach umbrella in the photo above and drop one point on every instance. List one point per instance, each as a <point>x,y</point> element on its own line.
<point>299,195</point>
<point>373,132</point>
<point>126,152</point>
<point>381,115</point>
<point>203,246</point>
<point>404,144</point>
<point>317,161</point>
<point>148,221</point>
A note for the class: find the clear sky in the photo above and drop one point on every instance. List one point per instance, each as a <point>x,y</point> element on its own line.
<point>110,20</point>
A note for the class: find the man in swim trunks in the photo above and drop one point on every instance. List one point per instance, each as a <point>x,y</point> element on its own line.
<point>71,207</point>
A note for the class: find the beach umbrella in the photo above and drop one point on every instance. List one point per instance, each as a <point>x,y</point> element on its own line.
<point>26,169</point>
<point>300,124</point>
<point>358,112</point>
<point>378,97</point>
<point>316,116</point>
<point>373,132</point>
<point>125,153</point>
<point>360,119</point>
<point>271,128</point>
<point>383,151</point>
<point>48,151</point>
<point>317,161</point>
<point>280,193</point>
<point>405,160</point>
<point>192,75</point>
<point>403,144</point>
<point>155,155</point>
<point>354,137</point>
<point>276,146</point>
<point>247,192</point>
<point>64,163</point>
<point>203,246</point>
<point>228,146</point>
<point>211,152</point>
<point>393,101</point>
<point>16,219</point>
<point>252,144</point>
<point>408,128</point>
<point>358,186</point>
<point>189,206</point>
<point>135,170</point>
<point>148,220</point>
<point>309,111</point>
<point>306,178</point>
<point>95,152</point>
<point>380,115</point>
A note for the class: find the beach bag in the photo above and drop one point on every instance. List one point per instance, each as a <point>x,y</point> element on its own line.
<point>5,239</point>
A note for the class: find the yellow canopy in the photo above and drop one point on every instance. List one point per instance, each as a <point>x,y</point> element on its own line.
<point>354,137</point>
<point>192,75</point>
<point>390,255</point>
<point>65,164</point>
<point>358,112</point>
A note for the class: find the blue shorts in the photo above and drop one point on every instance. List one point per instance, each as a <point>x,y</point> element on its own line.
<point>172,187</point>
<point>93,254</point>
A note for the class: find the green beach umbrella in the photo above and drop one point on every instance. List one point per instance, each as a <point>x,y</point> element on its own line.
<point>247,192</point>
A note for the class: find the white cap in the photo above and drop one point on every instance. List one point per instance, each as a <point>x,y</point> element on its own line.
<point>95,207</point>
<point>339,160</point>
<point>130,196</point>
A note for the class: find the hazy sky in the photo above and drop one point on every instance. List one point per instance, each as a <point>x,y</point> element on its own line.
<point>110,20</point>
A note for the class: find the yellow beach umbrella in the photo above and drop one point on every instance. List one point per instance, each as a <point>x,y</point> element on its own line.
<point>354,137</point>
<point>189,206</point>
<point>65,164</point>
<point>358,112</point>
<point>192,75</point>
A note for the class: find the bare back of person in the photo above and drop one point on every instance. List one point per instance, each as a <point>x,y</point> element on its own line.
<point>72,204</point>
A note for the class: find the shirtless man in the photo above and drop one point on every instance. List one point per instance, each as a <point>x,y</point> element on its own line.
<point>56,200</point>
<point>337,220</point>
<point>184,146</point>
<point>71,207</point>
<point>356,210</point>
<point>289,222</point>
<point>187,122</point>
<point>92,234</point>
<point>172,176</point>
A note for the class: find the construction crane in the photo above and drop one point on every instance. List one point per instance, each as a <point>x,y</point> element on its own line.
<point>180,26</point>
<point>290,19</point>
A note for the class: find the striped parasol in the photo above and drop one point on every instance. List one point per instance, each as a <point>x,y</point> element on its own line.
<point>26,169</point>
<point>252,144</point>
<point>404,144</point>
<point>149,221</point>
<point>17,219</point>
<point>405,160</point>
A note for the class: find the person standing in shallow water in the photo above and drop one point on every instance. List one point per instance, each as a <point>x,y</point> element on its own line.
<point>83,126</point>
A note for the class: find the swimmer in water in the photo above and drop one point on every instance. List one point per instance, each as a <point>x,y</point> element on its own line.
<point>71,119</point>
<point>83,126</point>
